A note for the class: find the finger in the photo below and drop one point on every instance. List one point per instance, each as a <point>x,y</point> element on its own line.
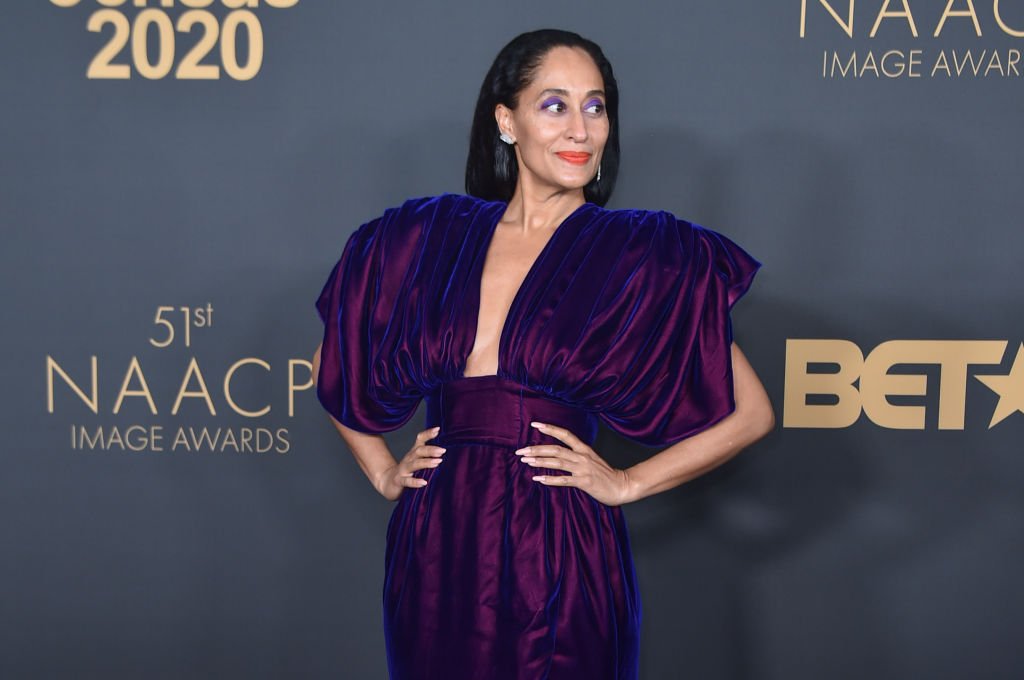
<point>412,482</point>
<point>555,480</point>
<point>423,436</point>
<point>424,463</point>
<point>552,464</point>
<point>551,451</point>
<point>429,451</point>
<point>417,475</point>
<point>560,433</point>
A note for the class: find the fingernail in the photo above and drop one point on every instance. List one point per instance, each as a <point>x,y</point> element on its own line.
<point>435,428</point>
<point>536,424</point>
<point>519,452</point>
<point>443,450</point>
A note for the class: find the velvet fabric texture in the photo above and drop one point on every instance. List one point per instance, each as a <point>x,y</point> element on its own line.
<point>623,319</point>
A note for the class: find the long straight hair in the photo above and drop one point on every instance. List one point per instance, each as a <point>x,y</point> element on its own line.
<point>491,168</point>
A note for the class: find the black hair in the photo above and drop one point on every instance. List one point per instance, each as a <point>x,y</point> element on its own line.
<point>491,167</point>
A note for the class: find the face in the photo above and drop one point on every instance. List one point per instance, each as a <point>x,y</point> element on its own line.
<point>559,124</point>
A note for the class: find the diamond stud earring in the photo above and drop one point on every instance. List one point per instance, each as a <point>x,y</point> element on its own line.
<point>505,138</point>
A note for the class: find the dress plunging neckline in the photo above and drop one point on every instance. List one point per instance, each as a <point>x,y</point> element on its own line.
<point>477,278</point>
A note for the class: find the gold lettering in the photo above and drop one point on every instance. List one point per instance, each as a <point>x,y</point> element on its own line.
<point>165,43</point>
<point>953,357</point>
<point>1012,59</point>
<point>229,45</point>
<point>941,63</point>
<point>228,440</point>
<point>969,12</point>
<point>869,65</point>
<point>894,64</point>
<point>877,384</point>
<point>180,440</point>
<point>885,13</point>
<point>134,369</point>
<point>915,61</point>
<point>227,387</point>
<point>93,403</point>
<point>996,63</point>
<point>1002,24</point>
<point>847,26</point>
<point>799,383</point>
<point>192,68</point>
<point>1009,387</point>
<point>968,58</point>
<point>89,442</point>
<point>193,368</point>
<point>293,387</point>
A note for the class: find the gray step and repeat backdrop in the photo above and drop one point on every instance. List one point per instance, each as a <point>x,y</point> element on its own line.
<point>177,179</point>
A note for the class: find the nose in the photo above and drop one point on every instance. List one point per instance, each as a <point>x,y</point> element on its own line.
<point>577,130</point>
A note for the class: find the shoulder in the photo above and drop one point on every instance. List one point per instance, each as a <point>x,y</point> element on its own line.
<point>439,204</point>
<point>677,243</point>
<point>666,224</point>
<point>404,229</point>
<point>652,224</point>
<point>421,212</point>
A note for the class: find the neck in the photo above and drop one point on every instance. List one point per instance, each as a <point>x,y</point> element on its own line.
<point>533,207</point>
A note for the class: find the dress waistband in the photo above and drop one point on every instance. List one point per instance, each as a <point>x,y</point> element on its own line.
<point>491,409</point>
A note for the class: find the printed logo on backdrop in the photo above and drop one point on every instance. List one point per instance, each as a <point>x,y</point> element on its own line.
<point>173,397</point>
<point>178,39</point>
<point>900,384</point>
<point>887,39</point>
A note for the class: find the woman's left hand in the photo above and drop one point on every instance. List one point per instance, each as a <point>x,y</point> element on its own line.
<point>589,472</point>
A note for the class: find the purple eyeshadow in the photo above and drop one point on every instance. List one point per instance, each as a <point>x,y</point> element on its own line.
<point>555,100</point>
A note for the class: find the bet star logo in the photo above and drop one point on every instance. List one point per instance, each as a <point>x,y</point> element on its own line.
<point>898,385</point>
<point>1010,389</point>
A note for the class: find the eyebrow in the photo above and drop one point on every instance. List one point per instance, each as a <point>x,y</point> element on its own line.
<point>565,93</point>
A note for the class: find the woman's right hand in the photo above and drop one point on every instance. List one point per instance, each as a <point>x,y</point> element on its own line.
<point>421,456</point>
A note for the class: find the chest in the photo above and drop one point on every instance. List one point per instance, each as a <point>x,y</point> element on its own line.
<point>508,260</point>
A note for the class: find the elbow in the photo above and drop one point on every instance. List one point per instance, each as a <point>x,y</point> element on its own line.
<point>762,420</point>
<point>752,401</point>
<point>758,421</point>
<point>767,420</point>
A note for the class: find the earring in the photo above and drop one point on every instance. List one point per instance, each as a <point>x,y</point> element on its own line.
<point>598,173</point>
<point>505,138</point>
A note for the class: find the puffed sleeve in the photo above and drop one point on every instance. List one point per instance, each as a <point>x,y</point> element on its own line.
<point>356,383</point>
<point>680,379</point>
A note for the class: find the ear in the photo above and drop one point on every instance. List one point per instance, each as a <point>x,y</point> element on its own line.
<point>503,117</point>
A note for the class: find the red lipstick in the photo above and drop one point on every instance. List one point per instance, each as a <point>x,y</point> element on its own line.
<point>574,157</point>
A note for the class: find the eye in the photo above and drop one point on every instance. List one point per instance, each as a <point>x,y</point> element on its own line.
<point>554,105</point>
<point>595,107</point>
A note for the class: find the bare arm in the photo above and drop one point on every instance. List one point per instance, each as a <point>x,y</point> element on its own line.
<point>388,476</point>
<point>696,455</point>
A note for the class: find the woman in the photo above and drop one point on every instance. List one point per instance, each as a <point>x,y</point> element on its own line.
<point>524,312</point>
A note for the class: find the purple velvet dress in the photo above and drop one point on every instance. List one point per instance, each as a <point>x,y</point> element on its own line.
<point>623,318</point>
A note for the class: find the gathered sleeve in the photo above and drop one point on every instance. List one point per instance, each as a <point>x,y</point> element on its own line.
<point>357,383</point>
<point>679,380</point>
